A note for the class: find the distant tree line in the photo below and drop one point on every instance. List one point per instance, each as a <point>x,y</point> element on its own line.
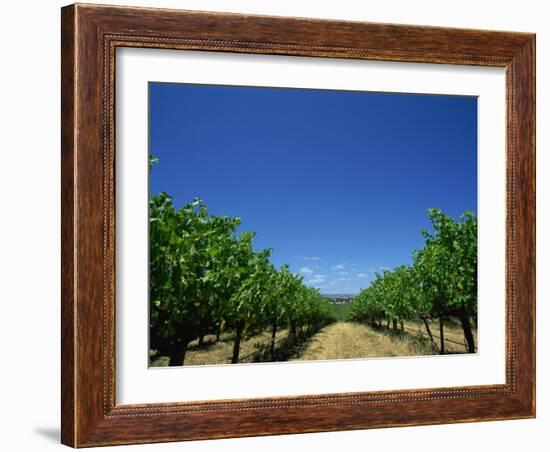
<point>440,284</point>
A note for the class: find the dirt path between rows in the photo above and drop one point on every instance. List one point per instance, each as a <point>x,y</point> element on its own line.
<point>340,340</point>
<point>345,340</point>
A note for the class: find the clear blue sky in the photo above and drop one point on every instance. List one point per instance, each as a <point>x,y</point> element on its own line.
<point>336,182</point>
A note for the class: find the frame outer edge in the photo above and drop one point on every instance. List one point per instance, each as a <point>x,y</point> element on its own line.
<point>534,226</point>
<point>525,62</point>
<point>68,242</point>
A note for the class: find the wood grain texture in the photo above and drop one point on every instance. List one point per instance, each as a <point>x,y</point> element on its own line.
<point>90,36</point>
<point>67,224</point>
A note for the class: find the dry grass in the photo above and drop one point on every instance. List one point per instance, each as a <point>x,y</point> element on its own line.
<point>220,352</point>
<point>345,340</point>
<point>453,335</point>
<point>340,340</point>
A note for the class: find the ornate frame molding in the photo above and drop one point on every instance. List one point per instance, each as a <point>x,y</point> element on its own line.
<point>90,36</point>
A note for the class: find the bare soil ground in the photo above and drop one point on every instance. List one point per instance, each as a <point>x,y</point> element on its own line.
<point>453,335</point>
<point>220,352</point>
<point>340,340</point>
<point>345,340</point>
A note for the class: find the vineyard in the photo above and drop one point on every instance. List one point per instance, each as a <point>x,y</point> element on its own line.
<point>215,299</point>
<point>205,279</point>
<point>441,284</point>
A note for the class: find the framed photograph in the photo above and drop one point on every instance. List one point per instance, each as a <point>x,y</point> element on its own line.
<point>281,225</point>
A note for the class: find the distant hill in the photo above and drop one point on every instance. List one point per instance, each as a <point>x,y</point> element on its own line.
<point>339,297</point>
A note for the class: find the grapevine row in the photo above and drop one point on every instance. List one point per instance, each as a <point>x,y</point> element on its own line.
<point>440,284</point>
<point>206,278</point>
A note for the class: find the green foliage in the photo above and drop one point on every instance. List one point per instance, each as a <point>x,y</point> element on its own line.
<point>205,275</point>
<point>447,265</point>
<point>442,282</point>
<point>341,311</point>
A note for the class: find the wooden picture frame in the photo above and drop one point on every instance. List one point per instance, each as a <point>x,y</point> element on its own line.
<point>90,36</point>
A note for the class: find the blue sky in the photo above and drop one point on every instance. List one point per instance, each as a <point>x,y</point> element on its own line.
<point>337,183</point>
